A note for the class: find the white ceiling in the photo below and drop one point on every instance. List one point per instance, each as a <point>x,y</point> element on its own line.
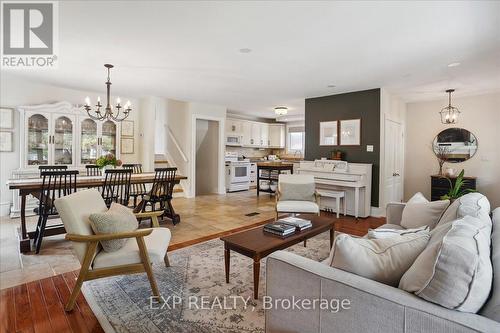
<point>190,50</point>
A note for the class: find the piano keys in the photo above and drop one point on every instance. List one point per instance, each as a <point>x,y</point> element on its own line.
<point>355,179</point>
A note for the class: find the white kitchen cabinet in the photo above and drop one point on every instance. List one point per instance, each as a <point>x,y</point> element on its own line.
<point>246,130</point>
<point>264,135</point>
<point>276,136</point>
<point>60,134</point>
<point>234,126</point>
<point>255,138</point>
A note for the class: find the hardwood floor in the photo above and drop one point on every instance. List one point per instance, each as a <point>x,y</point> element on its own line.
<point>38,305</point>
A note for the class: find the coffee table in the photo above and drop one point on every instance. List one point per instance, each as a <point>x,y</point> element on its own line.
<point>257,244</point>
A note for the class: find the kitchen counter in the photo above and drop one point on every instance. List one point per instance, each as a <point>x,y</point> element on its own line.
<point>274,164</point>
<point>269,172</point>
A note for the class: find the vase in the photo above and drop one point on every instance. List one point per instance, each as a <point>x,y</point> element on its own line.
<point>106,167</point>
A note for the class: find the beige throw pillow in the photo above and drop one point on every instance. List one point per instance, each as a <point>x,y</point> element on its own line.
<point>383,260</point>
<point>420,212</point>
<point>117,219</point>
<point>454,270</point>
<point>297,191</point>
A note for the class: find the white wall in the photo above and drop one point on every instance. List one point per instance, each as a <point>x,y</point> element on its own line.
<point>16,91</point>
<point>481,116</point>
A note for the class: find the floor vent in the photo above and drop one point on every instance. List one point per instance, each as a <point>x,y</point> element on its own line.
<point>252,214</point>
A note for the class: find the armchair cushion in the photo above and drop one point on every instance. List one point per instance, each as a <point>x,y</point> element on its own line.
<point>156,243</point>
<point>297,207</point>
<point>116,220</point>
<point>296,187</point>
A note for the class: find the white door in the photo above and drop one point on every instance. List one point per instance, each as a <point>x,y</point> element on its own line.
<point>393,161</point>
<point>38,139</point>
<point>63,139</point>
<point>88,141</point>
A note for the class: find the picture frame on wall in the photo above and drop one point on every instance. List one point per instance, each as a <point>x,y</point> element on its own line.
<point>128,128</point>
<point>6,141</point>
<point>6,118</point>
<point>328,133</point>
<point>350,132</point>
<point>127,145</point>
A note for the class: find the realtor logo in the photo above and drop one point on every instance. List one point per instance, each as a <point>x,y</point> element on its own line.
<point>29,34</point>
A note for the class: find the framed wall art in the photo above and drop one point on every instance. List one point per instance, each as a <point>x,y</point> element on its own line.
<point>6,141</point>
<point>328,133</point>
<point>350,132</point>
<point>6,118</point>
<point>127,146</point>
<point>127,128</point>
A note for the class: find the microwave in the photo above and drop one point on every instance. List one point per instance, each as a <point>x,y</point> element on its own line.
<point>233,140</point>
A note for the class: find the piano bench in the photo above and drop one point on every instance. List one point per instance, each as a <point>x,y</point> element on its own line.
<point>338,196</point>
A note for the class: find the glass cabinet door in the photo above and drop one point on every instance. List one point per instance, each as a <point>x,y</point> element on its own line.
<point>88,137</point>
<point>38,140</point>
<point>63,141</point>
<point>108,144</point>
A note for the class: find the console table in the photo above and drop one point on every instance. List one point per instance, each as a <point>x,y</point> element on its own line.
<point>440,185</point>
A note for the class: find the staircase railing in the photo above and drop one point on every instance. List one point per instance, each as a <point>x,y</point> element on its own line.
<point>176,144</point>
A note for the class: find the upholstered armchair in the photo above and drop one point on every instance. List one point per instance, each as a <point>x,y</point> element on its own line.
<point>296,194</point>
<point>143,246</point>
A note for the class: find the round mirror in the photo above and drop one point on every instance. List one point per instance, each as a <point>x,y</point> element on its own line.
<point>455,145</point>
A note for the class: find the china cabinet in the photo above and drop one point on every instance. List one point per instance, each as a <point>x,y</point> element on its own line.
<point>61,134</point>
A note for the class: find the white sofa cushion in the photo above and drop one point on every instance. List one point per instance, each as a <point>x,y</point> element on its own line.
<point>156,243</point>
<point>297,206</point>
<point>383,260</point>
<point>385,231</point>
<point>454,270</point>
<point>117,219</point>
<point>492,307</point>
<point>471,204</point>
<point>420,212</point>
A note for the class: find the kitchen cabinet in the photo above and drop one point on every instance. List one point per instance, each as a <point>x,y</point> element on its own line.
<point>246,140</point>
<point>234,126</point>
<point>255,138</point>
<point>276,136</point>
<point>264,135</point>
<point>60,134</point>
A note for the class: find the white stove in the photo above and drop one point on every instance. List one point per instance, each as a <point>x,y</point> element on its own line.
<point>237,173</point>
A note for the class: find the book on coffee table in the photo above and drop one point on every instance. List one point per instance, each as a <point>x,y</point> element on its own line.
<point>298,223</point>
<point>280,229</point>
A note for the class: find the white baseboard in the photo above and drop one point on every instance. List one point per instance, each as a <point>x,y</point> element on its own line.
<point>377,212</point>
<point>5,208</point>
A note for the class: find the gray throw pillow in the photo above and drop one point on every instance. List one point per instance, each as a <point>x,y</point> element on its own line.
<point>116,220</point>
<point>297,191</point>
<point>420,212</point>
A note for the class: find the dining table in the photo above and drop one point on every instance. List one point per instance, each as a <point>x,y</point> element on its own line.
<point>33,186</point>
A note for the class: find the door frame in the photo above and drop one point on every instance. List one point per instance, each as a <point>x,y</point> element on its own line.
<point>221,186</point>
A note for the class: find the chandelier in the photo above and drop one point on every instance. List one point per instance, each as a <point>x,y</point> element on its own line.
<point>109,113</point>
<point>281,110</point>
<point>449,114</point>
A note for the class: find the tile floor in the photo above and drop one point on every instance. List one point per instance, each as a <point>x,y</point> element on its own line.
<point>200,217</point>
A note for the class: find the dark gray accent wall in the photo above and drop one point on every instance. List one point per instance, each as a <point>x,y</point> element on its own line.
<point>360,104</point>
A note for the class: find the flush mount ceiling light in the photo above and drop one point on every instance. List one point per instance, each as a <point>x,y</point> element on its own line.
<point>245,50</point>
<point>449,114</point>
<point>454,64</point>
<point>280,110</point>
<point>109,113</point>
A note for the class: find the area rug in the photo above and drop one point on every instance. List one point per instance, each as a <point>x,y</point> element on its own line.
<point>196,297</point>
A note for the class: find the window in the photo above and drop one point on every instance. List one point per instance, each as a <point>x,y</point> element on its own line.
<point>296,139</point>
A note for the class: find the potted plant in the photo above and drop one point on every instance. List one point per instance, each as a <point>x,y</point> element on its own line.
<point>106,161</point>
<point>456,190</point>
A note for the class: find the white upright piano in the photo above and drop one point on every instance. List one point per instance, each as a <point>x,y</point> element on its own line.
<point>355,179</point>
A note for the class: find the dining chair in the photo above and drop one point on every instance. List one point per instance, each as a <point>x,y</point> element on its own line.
<point>116,186</point>
<point>43,168</point>
<point>136,190</point>
<point>297,194</point>
<point>143,246</point>
<point>160,194</point>
<point>93,170</point>
<point>55,184</point>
